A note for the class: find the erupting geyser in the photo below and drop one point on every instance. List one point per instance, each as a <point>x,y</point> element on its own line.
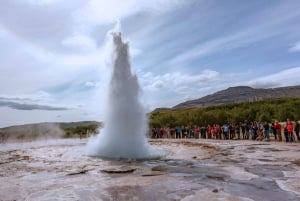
<point>125,124</point>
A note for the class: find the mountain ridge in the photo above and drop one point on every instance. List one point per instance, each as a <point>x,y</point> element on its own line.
<point>240,94</point>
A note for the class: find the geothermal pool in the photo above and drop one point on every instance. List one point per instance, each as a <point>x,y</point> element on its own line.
<point>193,170</point>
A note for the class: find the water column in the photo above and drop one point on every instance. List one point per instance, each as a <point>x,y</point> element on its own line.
<point>125,124</point>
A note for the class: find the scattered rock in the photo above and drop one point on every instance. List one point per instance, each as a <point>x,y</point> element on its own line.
<point>119,170</point>
<point>159,168</point>
<point>194,157</point>
<point>151,174</point>
<point>296,162</point>
<point>215,190</point>
<point>216,177</point>
<point>79,172</point>
<point>265,160</point>
<point>1,163</point>
<point>26,158</point>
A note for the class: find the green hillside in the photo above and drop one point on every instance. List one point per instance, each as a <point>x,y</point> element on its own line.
<point>266,110</point>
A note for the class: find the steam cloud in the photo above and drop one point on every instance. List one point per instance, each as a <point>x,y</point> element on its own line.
<point>125,124</point>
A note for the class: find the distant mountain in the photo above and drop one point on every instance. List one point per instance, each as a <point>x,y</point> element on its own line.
<point>241,94</point>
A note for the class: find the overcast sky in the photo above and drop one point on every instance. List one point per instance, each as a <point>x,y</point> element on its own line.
<point>55,55</point>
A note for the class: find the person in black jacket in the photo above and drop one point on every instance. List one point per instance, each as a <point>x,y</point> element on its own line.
<point>297,130</point>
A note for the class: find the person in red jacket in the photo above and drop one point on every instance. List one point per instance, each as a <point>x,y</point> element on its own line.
<point>208,131</point>
<point>290,131</point>
<point>278,130</point>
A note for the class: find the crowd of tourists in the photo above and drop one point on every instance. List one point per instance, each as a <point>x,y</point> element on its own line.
<point>288,131</point>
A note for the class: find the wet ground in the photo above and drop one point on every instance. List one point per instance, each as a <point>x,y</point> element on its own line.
<point>193,170</point>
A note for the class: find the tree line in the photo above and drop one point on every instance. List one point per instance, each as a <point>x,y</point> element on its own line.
<point>265,110</point>
<point>82,130</point>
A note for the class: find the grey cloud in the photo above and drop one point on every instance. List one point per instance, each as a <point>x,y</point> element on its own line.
<point>26,106</point>
<point>14,99</point>
<point>45,25</point>
<point>295,47</point>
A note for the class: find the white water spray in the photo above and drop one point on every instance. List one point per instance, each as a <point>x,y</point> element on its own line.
<point>125,125</point>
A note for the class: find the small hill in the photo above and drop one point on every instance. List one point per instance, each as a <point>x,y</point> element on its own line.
<point>30,132</point>
<point>241,94</point>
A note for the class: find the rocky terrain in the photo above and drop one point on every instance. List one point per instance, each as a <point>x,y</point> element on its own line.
<point>241,94</point>
<point>206,170</point>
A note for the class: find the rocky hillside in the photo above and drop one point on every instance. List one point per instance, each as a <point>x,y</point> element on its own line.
<point>241,94</point>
